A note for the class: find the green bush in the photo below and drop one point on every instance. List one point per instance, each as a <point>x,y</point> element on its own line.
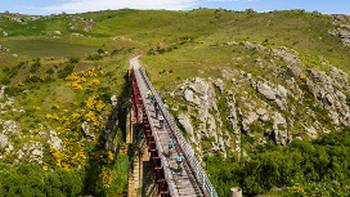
<point>304,167</point>
<point>74,60</point>
<point>29,180</point>
<point>67,70</point>
<point>94,57</point>
<point>35,66</point>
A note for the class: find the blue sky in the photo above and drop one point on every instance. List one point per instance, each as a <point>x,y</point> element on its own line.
<point>72,6</point>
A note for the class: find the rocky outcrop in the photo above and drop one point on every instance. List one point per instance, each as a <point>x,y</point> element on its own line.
<point>4,49</point>
<point>3,33</point>
<point>54,141</point>
<point>280,132</point>
<point>86,131</point>
<point>342,28</point>
<point>291,100</point>
<point>81,24</point>
<point>203,116</point>
<point>17,18</point>
<point>75,34</point>
<point>185,122</point>
<point>276,94</point>
<point>235,124</point>
<point>54,34</point>
<point>114,100</point>
<point>2,92</point>
<point>31,152</point>
<point>289,56</point>
<point>331,91</point>
<point>10,129</point>
<point>5,144</point>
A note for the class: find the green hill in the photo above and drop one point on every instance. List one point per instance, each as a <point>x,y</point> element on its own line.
<point>262,97</point>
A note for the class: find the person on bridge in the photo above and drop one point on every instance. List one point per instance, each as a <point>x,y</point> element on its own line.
<point>170,147</point>
<point>179,161</point>
<point>161,121</point>
<point>149,94</point>
<point>157,109</point>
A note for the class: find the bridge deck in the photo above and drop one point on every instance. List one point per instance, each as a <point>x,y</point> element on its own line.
<point>192,180</point>
<point>182,182</point>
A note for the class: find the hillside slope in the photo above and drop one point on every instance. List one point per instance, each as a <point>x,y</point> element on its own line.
<point>246,88</point>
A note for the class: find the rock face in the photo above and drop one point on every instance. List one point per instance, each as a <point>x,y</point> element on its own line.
<point>235,124</point>
<point>201,96</point>
<point>330,90</point>
<point>289,100</point>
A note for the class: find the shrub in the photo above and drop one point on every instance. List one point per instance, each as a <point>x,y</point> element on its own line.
<point>67,70</point>
<point>35,66</point>
<point>94,57</point>
<point>74,60</point>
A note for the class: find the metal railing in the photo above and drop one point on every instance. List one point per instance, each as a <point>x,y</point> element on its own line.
<point>199,173</point>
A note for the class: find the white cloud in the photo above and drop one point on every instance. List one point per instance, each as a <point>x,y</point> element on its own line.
<point>73,6</point>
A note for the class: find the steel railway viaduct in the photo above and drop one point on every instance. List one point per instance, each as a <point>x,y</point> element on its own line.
<point>166,179</point>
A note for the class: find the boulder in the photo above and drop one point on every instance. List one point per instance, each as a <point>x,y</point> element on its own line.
<point>31,152</point>
<point>4,142</point>
<point>189,95</point>
<point>54,141</point>
<point>114,100</point>
<point>287,55</point>
<point>58,33</point>
<point>266,91</point>
<point>185,122</point>
<point>10,127</point>
<point>252,117</point>
<point>2,92</point>
<point>77,34</point>
<point>219,83</point>
<point>281,91</point>
<point>86,131</point>
<point>280,129</point>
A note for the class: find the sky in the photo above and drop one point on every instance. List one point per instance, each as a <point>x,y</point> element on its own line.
<point>44,7</point>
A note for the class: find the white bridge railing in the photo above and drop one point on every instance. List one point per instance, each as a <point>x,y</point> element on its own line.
<point>197,170</point>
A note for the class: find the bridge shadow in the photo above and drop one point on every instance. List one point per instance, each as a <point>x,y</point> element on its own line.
<point>109,141</point>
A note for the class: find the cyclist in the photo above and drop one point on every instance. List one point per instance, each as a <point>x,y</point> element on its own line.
<point>179,161</point>
<point>170,147</point>
<point>161,121</point>
<point>157,110</point>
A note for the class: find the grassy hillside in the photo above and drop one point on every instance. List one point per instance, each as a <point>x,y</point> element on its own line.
<point>60,72</point>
